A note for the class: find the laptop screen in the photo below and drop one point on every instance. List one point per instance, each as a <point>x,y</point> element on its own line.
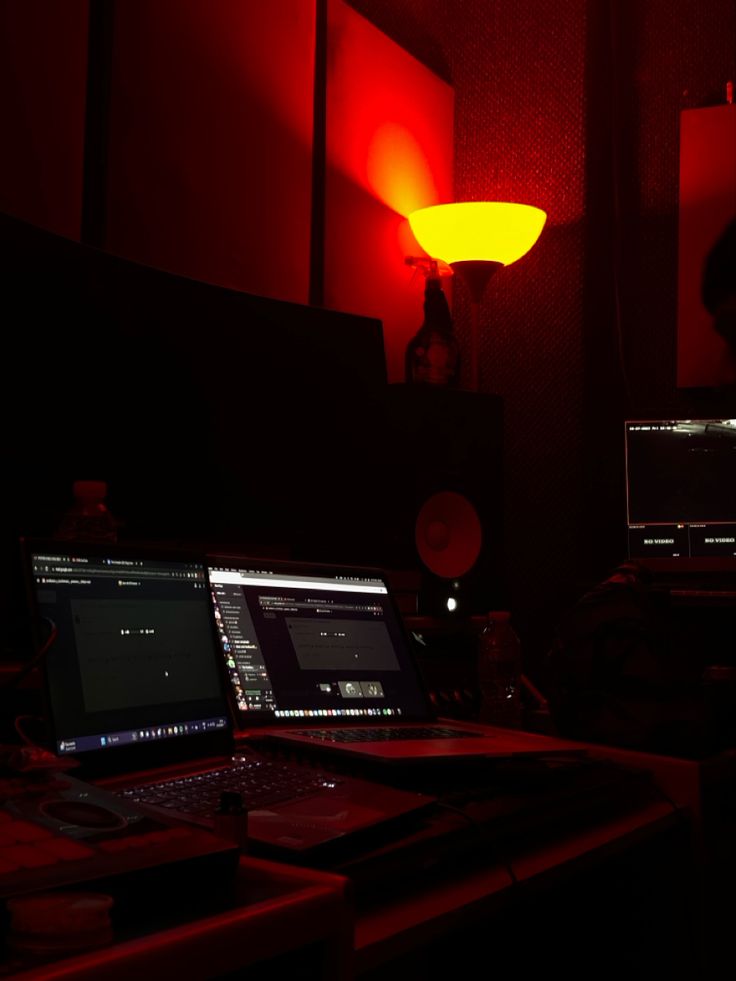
<point>134,660</point>
<point>312,644</point>
<point>681,489</point>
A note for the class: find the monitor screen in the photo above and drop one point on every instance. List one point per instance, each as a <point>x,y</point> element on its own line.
<point>134,659</point>
<point>312,644</point>
<point>681,488</point>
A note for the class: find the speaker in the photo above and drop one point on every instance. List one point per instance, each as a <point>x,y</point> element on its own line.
<point>444,499</point>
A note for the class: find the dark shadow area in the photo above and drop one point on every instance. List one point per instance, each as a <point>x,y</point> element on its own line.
<point>214,416</point>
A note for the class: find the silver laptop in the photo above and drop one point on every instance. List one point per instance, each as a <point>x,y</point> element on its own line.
<point>318,656</point>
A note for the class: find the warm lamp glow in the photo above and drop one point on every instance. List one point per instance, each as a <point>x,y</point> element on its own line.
<point>489,231</point>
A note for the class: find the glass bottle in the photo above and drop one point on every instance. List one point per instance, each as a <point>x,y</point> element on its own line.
<point>433,354</point>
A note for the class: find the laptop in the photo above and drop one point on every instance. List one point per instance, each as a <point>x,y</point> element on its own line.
<point>133,683</point>
<point>317,657</point>
<point>681,500</point>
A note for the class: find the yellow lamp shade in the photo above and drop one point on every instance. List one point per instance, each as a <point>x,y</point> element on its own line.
<point>489,231</point>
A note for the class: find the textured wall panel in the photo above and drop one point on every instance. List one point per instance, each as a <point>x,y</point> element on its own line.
<point>518,72</point>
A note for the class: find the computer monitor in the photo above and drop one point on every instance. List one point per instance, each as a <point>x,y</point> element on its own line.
<point>681,491</point>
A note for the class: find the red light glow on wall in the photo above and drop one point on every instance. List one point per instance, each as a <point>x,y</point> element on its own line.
<point>398,170</point>
<point>389,152</point>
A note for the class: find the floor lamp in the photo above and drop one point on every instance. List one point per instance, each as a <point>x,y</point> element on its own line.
<point>476,238</point>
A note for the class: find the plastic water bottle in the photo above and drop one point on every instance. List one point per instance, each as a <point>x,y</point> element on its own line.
<point>499,672</point>
<point>88,519</point>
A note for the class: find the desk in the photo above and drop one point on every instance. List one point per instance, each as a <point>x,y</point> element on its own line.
<point>279,911</point>
<point>617,883</point>
<point>300,921</point>
<point>707,790</point>
<point>502,912</point>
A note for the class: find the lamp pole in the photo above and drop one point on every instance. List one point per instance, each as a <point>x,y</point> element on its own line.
<point>475,273</point>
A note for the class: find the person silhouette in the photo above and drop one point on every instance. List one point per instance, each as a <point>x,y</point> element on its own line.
<point>718,286</point>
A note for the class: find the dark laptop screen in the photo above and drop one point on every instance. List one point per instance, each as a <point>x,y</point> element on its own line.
<point>134,660</point>
<point>681,488</point>
<point>313,645</point>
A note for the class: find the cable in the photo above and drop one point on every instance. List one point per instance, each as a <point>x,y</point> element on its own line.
<point>36,659</point>
<point>32,755</point>
<point>458,810</point>
<point>18,726</point>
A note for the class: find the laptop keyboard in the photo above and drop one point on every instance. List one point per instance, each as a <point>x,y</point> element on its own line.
<point>384,734</point>
<point>260,783</point>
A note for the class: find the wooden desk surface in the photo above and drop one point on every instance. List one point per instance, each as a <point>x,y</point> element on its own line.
<point>284,908</point>
<point>407,921</point>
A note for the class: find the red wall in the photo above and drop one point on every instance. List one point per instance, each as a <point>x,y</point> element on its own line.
<point>43,70</point>
<point>210,141</point>
<point>210,133</point>
<point>389,152</point>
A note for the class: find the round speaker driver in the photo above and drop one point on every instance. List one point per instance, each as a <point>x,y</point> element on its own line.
<point>448,534</point>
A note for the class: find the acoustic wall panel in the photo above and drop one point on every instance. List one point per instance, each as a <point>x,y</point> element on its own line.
<point>211,141</point>
<point>707,203</point>
<point>389,144</point>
